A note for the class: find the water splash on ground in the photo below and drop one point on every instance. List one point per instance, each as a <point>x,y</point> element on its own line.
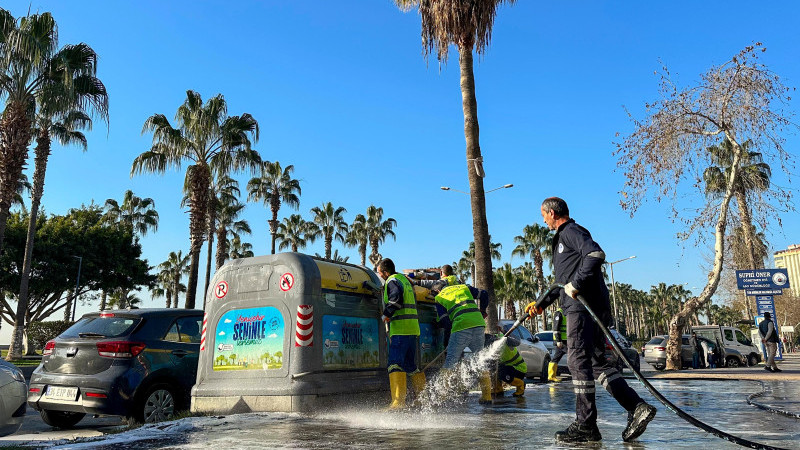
<point>448,387</point>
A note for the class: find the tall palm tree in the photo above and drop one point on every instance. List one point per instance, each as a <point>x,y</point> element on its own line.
<point>295,233</point>
<point>56,89</point>
<point>330,224</point>
<point>223,190</point>
<point>336,257</point>
<point>378,230</point>
<point>469,256</point>
<point>240,249</point>
<point>229,227</point>
<point>468,26</point>
<point>173,269</point>
<point>274,186</point>
<point>209,141</point>
<point>531,243</point>
<point>358,236</point>
<point>138,214</point>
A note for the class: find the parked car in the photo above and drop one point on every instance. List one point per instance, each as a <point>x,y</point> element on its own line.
<point>135,363</point>
<point>546,337</point>
<point>625,345</point>
<point>738,350</point>
<point>531,349</point>
<point>655,351</point>
<point>12,398</point>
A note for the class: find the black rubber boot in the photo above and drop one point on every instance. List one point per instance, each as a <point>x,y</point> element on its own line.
<point>638,420</point>
<point>579,433</point>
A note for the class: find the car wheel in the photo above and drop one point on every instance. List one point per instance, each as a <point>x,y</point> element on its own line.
<point>732,361</point>
<point>636,364</point>
<point>545,366</point>
<point>752,360</point>
<point>659,366</point>
<point>156,405</point>
<point>61,419</point>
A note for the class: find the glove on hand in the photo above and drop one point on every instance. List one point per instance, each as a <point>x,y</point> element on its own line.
<point>533,310</point>
<point>570,290</point>
<point>559,344</point>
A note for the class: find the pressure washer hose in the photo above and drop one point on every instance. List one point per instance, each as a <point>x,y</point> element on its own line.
<point>683,415</point>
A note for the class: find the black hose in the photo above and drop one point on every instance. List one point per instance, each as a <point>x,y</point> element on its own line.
<point>683,415</point>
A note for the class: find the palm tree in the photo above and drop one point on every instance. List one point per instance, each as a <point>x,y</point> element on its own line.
<point>173,269</point>
<point>56,89</point>
<point>378,230</point>
<point>330,224</point>
<point>210,141</point>
<point>469,256</point>
<point>753,176</point>
<point>295,233</point>
<point>229,227</point>
<point>358,236</point>
<point>138,214</point>
<point>223,191</point>
<point>462,269</point>
<point>336,257</point>
<point>533,241</point>
<point>240,249</point>
<point>274,186</point>
<point>467,25</point>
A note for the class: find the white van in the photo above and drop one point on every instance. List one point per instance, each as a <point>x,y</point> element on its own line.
<point>731,338</point>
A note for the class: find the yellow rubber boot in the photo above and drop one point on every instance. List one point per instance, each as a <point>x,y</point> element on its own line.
<point>397,386</point>
<point>418,382</point>
<point>485,382</point>
<point>520,385</point>
<point>552,373</point>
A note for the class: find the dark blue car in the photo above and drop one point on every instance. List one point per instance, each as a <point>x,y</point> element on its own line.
<point>138,363</point>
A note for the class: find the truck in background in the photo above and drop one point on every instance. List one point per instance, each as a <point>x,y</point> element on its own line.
<point>738,349</point>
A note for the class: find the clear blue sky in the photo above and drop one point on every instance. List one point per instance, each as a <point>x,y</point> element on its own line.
<point>341,91</point>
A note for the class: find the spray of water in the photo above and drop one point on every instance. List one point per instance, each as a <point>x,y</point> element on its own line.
<point>447,387</point>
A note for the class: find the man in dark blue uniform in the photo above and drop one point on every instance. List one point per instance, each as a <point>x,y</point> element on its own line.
<point>577,261</point>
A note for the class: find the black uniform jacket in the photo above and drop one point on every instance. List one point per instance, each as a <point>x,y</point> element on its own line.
<point>577,259</point>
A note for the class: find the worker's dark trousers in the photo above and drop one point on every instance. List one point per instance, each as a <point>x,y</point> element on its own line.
<point>587,362</point>
<point>559,353</point>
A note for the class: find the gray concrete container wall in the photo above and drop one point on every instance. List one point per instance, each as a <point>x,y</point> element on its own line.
<point>276,339</point>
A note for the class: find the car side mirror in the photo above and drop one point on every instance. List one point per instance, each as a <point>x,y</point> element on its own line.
<point>533,339</point>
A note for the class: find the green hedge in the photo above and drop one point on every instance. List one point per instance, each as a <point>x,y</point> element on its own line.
<point>41,332</point>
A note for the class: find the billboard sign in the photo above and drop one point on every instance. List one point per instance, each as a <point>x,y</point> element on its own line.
<point>762,279</point>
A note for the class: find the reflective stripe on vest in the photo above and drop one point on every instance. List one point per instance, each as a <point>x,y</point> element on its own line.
<point>511,357</point>
<point>562,327</point>
<point>461,307</point>
<point>404,321</point>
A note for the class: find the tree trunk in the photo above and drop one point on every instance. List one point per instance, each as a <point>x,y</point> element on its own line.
<point>40,168</point>
<point>168,294</point>
<point>749,242</point>
<point>14,139</point>
<point>68,307</point>
<point>212,228</point>
<point>103,300</point>
<point>275,205</point>
<point>199,181</point>
<point>328,246</point>
<point>480,227</point>
<point>222,247</point>
<point>678,322</point>
<point>362,252</point>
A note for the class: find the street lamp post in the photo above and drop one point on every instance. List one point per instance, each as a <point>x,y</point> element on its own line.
<point>613,284</point>
<point>77,286</point>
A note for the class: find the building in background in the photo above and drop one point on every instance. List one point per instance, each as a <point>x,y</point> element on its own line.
<point>789,259</point>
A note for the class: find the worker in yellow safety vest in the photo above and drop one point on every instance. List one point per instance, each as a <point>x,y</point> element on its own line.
<point>511,367</point>
<point>560,340</point>
<point>400,313</point>
<point>457,304</point>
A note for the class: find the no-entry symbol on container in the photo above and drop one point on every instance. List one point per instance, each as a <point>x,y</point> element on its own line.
<point>287,281</point>
<point>221,289</point>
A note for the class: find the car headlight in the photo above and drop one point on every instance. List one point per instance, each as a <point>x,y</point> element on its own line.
<point>15,374</point>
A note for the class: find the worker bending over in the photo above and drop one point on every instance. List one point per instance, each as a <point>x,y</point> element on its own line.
<point>511,368</point>
<point>400,312</point>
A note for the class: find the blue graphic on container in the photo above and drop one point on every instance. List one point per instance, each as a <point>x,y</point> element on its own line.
<point>431,342</point>
<point>249,339</point>
<point>350,342</point>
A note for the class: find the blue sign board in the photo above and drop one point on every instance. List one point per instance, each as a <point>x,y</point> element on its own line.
<point>765,303</point>
<point>762,279</point>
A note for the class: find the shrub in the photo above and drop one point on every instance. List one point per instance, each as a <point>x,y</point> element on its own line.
<point>41,332</point>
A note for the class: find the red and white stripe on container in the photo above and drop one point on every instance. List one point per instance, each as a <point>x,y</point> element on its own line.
<point>304,328</point>
<point>203,336</point>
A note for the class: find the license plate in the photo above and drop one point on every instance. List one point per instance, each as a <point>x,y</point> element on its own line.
<point>61,393</point>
